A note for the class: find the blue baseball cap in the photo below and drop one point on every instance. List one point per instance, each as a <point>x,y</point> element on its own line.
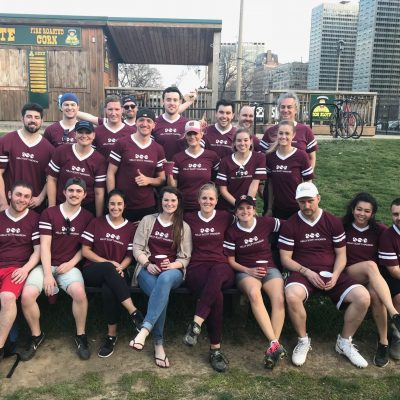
<point>84,125</point>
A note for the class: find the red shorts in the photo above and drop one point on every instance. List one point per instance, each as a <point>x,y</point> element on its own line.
<point>6,284</point>
<point>337,294</point>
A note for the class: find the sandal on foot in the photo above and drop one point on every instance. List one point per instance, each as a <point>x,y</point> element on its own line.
<point>136,345</point>
<point>163,360</point>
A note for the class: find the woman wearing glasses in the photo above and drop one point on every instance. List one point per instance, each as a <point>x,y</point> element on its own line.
<point>241,172</point>
<point>107,247</point>
<point>79,160</point>
<point>162,247</point>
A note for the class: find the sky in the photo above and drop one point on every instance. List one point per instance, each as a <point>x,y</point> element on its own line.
<point>284,26</point>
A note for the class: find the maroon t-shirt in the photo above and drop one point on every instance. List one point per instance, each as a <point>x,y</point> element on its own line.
<point>106,138</point>
<point>238,177</point>
<point>160,241</point>
<point>313,243</point>
<point>53,222</point>
<point>66,163</point>
<point>220,142</point>
<point>57,134</point>
<point>362,243</point>
<point>130,156</point>
<point>112,242</point>
<point>303,140</point>
<point>286,173</point>
<point>389,247</point>
<point>252,244</point>
<point>208,236</point>
<point>17,238</point>
<point>23,161</point>
<point>167,134</point>
<point>192,172</point>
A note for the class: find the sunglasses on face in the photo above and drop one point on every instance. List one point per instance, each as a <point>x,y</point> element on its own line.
<point>130,106</point>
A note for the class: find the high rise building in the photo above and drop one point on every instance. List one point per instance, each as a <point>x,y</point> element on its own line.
<point>290,76</point>
<point>264,68</point>
<point>377,55</point>
<point>332,24</point>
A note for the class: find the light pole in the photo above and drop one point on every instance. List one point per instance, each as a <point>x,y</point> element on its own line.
<point>239,54</point>
<point>340,48</point>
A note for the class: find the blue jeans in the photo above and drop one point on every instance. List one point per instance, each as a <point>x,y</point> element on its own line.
<point>158,287</point>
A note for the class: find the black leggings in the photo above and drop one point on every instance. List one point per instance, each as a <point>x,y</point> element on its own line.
<point>114,288</point>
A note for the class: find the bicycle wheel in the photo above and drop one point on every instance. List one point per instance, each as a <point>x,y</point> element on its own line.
<point>333,128</point>
<point>360,126</point>
<point>347,125</point>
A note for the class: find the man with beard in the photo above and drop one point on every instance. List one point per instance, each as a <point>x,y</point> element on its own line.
<point>60,229</point>
<point>63,132</point>
<point>130,109</point>
<point>169,131</point>
<point>246,120</point>
<point>24,155</point>
<point>19,253</point>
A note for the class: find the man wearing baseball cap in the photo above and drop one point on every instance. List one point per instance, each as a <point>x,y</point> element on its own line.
<point>60,229</point>
<point>63,132</point>
<point>312,245</point>
<point>129,104</point>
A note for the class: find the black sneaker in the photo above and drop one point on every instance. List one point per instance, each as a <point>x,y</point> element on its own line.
<point>137,319</point>
<point>193,330</point>
<point>82,347</point>
<point>396,321</point>
<point>218,360</point>
<point>273,354</point>
<point>33,345</point>
<point>108,347</point>
<point>381,358</point>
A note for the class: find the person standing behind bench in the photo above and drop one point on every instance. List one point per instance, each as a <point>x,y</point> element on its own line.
<point>60,231</point>
<point>19,253</point>
<point>107,247</point>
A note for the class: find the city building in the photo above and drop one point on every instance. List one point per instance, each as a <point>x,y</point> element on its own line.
<point>264,67</point>
<point>290,76</point>
<point>377,55</point>
<point>333,26</point>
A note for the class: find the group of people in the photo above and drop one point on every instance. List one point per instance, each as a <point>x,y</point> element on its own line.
<point>87,200</point>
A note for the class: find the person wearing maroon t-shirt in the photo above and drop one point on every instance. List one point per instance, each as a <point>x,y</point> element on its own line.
<point>247,248</point>
<point>63,132</point>
<point>362,239</point>
<point>170,126</point>
<point>312,245</point>
<point>129,104</point>
<point>107,247</point>
<point>167,235</point>
<point>288,105</point>
<point>219,137</point>
<point>136,167</point>
<point>246,120</point>
<point>19,253</point>
<point>193,167</point>
<point>79,160</point>
<point>389,260</point>
<point>287,167</point>
<point>24,155</point>
<point>60,230</point>
<point>240,172</point>
<point>208,272</point>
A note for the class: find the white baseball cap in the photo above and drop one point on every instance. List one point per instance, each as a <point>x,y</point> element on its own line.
<point>306,189</point>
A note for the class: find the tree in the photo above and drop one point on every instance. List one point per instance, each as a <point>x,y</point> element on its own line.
<point>138,75</point>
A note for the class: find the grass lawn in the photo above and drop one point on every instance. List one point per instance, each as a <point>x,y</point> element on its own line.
<point>343,169</point>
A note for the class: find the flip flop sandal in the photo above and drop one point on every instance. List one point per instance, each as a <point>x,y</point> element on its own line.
<point>163,360</point>
<point>133,345</point>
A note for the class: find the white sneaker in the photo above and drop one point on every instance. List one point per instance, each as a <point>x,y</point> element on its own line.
<point>347,348</point>
<point>300,352</point>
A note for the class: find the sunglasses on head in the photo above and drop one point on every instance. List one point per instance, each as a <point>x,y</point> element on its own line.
<point>130,106</point>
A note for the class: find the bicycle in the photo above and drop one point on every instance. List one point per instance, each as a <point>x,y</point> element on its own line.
<point>344,122</point>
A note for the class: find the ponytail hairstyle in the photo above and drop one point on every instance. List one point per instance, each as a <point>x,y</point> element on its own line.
<point>274,146</point>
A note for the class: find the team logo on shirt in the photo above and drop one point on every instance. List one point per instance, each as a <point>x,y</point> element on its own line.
<point>251,240</point>
<point>360,240</point>
<point>65,229</point>
<point>170,130</point>
<point>207,230</point>
<point>112,236</point>
<point>141,157</point>
<point>78,169</point>
<point>281,167</point>
<point>221,141</point>
<point>27,155</point>
<point>312,235</point>
<point>162,235</point>
<point>194,165</point>
<point>13,230</point>
<point>241,172</point>
<point>111,140</point>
